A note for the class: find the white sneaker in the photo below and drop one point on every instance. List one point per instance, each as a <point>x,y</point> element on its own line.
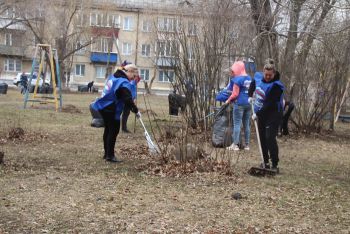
<point>246,147</point>
<point>233,147</point>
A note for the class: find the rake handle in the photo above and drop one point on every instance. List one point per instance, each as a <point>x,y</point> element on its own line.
<point>258,137</point>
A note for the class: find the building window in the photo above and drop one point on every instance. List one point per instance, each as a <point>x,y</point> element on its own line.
<point>192,29</point>
<point>146,50</point>
<point>82,19</point>
<point>127,24</point>
<point>166,76</point>
<point>8,39</point>
<point>36,41</point>
<point>10,12</point>
<point>96,19</point>
<point>100,72</point>
<point>39,13</point>
<point>167,24</point>
<point>144,74</point>
<point>113,21</point>
<point>146,26</point>
<point>166,48</point>
<point>80,70</point>
<point>191,51</point>
<point>101,45</point>
<point>79,48</point>
<point>13,65</point>
<point>93,19</point>
<point>126,48</point>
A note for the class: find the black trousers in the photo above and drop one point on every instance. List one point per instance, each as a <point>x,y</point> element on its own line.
<point>284,126</point>
<point>268,131</point>
<point>125,116</point>
<point>110,133</point>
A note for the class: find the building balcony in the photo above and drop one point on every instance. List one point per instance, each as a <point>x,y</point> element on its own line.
<point>12,51</point>
<point>166,62</point>
<point>14,24</point>
<point>105,32</point>
<point>103,58</point>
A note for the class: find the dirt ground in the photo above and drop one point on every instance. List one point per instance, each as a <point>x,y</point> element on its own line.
<point>54,180</point>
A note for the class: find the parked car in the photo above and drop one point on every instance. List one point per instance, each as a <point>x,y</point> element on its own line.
<point>17,79</point>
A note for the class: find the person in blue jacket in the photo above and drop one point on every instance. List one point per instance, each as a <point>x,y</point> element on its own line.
<point>268,110</point>
<point>115,95</point>
<point>239,86</point>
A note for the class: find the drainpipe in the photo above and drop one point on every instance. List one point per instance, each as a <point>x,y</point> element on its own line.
<point>137,35</point>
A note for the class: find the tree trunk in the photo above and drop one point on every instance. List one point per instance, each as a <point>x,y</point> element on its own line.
<point>313,32</point>
<point>266,45</point>
<point>152,80</point>
<point>287,67</point>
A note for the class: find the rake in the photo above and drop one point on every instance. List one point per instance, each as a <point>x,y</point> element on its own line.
<point>153,148</point>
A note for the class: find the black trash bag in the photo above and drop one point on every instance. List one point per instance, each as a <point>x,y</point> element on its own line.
<point>176,101</point>
<point>97,120</point>
<point>3,88</point>
<point>31,89</point>
<point>94,89</point>
<point>84,89</point>
<point>222,128</point>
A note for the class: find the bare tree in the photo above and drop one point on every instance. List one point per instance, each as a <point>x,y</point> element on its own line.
<point>313,54</point>
<point>197,48</point>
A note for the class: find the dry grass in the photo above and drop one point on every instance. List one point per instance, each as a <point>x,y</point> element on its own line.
<point>55,181</point>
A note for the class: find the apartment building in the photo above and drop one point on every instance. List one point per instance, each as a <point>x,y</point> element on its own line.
<point>15,56</point>
<point>114,31</point>
<point>127,30</point>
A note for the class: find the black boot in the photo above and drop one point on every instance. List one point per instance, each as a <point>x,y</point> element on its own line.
<point>126,130</point>
<point>113,159</point>
<point>265,165</point>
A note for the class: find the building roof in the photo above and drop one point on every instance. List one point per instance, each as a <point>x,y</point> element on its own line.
<point>146,4</point>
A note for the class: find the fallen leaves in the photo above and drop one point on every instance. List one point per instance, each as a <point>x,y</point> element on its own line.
<point>173,168</point>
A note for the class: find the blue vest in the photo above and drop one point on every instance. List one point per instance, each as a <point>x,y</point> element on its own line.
<point>258,77</point>
<point>108,96</point>
<point>133,87</point>
<point>262,90</point>
<point>243,82</point>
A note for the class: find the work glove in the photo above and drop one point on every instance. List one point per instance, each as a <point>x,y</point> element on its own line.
<point>250,100</point>
<point>138,115</point>
<point>254,117</point>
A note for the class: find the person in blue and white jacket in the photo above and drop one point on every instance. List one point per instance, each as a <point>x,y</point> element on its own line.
<point>116,94</point>
<point>268,110</point>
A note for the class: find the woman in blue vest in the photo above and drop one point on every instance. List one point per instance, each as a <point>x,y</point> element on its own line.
<point>239,85</point>
<point>268,108</point>
<point>116,94</point>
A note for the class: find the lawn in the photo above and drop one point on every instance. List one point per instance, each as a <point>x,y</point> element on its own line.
<point>54,180</point>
